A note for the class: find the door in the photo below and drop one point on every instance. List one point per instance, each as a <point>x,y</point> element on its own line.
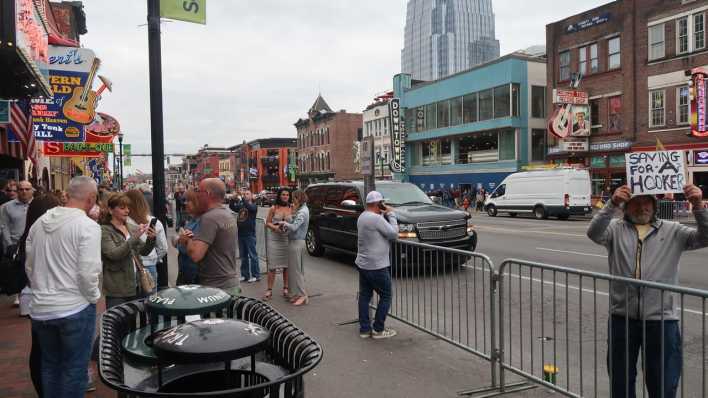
<point>350,216</point>
<point>499,197</point>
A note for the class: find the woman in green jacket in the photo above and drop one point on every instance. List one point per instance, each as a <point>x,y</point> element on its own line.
<point>121,248</point>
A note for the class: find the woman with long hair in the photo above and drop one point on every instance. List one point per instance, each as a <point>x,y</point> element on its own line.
<point>140,214</point>
<point>277,242</point>
<point>188,270</point>
<point>297,229</point>
<point>36,209</point>
<point>121,251</point>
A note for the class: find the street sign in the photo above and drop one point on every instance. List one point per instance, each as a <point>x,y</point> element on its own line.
<point>367,168</point>
<point>184,10</point>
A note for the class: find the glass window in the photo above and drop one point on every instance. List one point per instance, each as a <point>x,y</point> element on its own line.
<point>613,53</point>
<point>430,123</point>
<point>538,145</point>
<point>456,111</point>
<point>598,183</point>
<point>507,145</point>
<point>334,196</point>
<point>564,63</point>
<point>617,161</point>
<point>478,147</point>
<point>699,31</point>
<point>682,35</point>
<point>594,65</point>
<point>502,101</point>
<point>446,151</point>
<point>486,104</point>
<point>656,42</point>
<point>614,121</point>
<point>538,102</point>
<point>430,153</point>
<point>595,124</point>
<point>469,108</point>
<point>583,60</point>
<point>420,119</point>
<point>443,114</point>
<point>657,109</point>
<point>683,105</point>
<point>598,162</point>
<point>351,194</point>
<point>515,99</point>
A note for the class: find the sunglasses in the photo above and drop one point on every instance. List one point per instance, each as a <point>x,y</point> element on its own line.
<point>10,190</point>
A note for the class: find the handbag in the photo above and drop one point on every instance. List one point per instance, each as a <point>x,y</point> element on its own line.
<point>147,284</point>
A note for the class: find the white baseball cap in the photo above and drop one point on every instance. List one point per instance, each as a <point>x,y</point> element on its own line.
<point>374,197</point>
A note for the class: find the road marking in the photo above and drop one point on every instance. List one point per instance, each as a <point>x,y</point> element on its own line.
<point>527,231</point>
<point>571,252</point>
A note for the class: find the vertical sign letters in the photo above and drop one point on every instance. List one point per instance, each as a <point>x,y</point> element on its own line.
<point>398,137</point>
<point>650,173</point>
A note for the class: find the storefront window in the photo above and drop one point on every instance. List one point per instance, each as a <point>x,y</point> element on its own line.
<point>502,105</point>
<point>430,122</point>
<point>617,161</point>
<point>409,120</point>
<point>598,183</point>
<point>420,119</point>
<point>430,153</point>
<point>456,111</point>
<point>507,145</point>
<point>479,147</point>
<point>443,114</point>
<point>486,104</point>
<point>446,151</point>
<point>470,108</point>
<point>538,145</point>
<point>515,94</point>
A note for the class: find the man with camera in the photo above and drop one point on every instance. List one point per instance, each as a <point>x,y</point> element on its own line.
<point>376,228</point>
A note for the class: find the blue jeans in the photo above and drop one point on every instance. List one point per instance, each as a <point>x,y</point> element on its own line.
<point>629,341</point>
<point>370,281</point>
<point>249,256</point>
<point>66,344</point>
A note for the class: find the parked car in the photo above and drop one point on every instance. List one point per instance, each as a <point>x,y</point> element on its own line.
<point>265,198</point>
<point>335,208</point>
<point>543,193</point>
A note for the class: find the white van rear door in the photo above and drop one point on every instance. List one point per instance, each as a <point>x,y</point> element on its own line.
<point>579,191</point>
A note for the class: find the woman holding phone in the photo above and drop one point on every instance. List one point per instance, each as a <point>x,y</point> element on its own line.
<point>297,229</point>
<point>140,214</point>
<point>277,242</point>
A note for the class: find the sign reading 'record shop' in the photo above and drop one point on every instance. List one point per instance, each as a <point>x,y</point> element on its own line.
<point>650,173</point>
<point>398,137</point>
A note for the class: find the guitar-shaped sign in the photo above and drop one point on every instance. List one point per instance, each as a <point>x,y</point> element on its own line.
<point>561,122</point>
<point>81,107</point>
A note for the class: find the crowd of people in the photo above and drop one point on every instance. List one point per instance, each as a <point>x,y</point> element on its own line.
<point>471,200</point>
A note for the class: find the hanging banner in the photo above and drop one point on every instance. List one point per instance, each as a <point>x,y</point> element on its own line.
<point>127,160</point>
<point>184,10</point>
<point>398,137</point>
<point>73,149</point>
<point>698,102</point>
<point>650,173</point>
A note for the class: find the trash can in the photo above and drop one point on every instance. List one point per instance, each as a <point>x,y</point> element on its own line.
<point>245,350</point>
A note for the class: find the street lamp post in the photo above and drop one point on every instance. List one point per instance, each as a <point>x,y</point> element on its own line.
<point>120,151</point>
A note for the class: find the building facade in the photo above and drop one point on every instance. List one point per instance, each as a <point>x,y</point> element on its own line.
<point>266,163</point>
<point>443,37</point>
<point>376,122</point>
<point>475,127</point>
<point>323,137</point>
<point>638,99</point>
<point>205,163</point>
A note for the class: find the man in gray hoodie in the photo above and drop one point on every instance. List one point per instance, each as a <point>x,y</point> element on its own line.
<point>63,266</point>
<point>642,247</point>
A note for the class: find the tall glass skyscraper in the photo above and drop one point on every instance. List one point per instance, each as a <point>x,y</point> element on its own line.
<point>444,37</point>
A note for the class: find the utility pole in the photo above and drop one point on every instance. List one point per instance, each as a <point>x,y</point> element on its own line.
<point>156,122</point>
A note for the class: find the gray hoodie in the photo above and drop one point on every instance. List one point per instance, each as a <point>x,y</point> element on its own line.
<point>63,263</point>
<point>658,255</point>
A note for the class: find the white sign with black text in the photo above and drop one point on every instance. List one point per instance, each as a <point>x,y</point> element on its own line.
<point>398,137</point>
<point>650,173</point>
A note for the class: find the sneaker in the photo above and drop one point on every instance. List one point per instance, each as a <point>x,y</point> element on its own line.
<point>252,280</point>
<point>384,334</point>
<point>16,302</point>
<point>365,335</point>
<point>242,278</point>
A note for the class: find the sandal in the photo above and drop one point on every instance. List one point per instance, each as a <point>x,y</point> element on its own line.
<point>286,292</point>
<point>302,300</point>
<point>268,294</point>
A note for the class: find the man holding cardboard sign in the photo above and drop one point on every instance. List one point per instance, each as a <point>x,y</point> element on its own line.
<point>642,247</point>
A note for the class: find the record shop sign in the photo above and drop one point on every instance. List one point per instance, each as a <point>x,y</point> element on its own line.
<point>398,137</point>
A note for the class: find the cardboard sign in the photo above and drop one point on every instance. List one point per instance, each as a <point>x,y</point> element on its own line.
<point>650,173</point>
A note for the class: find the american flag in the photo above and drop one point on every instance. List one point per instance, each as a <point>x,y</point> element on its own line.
<point>21,125</point>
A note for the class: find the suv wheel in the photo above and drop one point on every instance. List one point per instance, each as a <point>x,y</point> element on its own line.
<point>313,244</point>
<point>539,212</point>
<point>492,210</point>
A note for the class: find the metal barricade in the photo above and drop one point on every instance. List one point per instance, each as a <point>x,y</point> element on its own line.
<point>675,210</point>
<point>447,293</point>
<point>554,322</point>
<point>261,246</point>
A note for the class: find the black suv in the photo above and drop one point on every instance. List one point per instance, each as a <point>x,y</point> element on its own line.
<point>335,208</point>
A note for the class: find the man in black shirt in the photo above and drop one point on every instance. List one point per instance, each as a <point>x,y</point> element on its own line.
<point>246,212</point>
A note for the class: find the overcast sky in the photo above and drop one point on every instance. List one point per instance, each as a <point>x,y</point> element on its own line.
<point>257,65</point>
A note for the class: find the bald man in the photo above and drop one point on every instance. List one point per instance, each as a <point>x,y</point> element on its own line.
<point>213,246</point>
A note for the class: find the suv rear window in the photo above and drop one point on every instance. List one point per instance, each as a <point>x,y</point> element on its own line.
<point>352,194</point>
<point>315,196</point>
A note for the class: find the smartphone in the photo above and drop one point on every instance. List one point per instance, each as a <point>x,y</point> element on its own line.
<point>153,222</point>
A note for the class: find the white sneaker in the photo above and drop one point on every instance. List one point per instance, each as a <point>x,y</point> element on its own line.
<point>252,280</point>
<point>16,302</point>
<point>241,279</point>
<point>384,334</point>
<point>365,335</point>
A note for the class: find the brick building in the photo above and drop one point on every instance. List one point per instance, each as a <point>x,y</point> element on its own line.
<point>264,163</point>
<point>205,163</point>
<point>633,65</point>
<point>325,141</point>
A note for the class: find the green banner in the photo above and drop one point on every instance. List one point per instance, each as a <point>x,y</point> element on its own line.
<point>87,147</point>
<point>184,10</point>
<point>126,155</point>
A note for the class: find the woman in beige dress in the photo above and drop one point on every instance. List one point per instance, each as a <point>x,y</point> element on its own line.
<point>277,242</point>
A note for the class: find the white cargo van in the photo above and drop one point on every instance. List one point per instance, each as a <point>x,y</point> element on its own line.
<point>543,193</point>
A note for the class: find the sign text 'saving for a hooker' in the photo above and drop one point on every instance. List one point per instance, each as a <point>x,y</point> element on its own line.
<point>398,137</point>
<point>650,173</point>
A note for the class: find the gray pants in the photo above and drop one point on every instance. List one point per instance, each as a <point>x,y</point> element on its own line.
<point>296,270</point>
